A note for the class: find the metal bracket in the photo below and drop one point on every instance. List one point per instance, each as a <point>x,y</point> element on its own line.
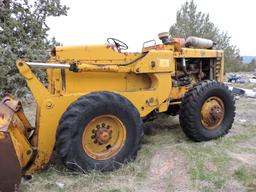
<point>8,107</point>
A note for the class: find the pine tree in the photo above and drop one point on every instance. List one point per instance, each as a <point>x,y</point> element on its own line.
<point>251,66</point>
<point>23,34</point>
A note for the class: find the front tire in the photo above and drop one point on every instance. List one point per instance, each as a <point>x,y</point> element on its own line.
<point>207,111</point>
<point>99,131</point>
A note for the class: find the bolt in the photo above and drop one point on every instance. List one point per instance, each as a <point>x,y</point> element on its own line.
<point>153,64</point>
<point>49,104</point>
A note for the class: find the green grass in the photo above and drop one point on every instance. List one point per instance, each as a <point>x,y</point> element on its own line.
<point>127,175</point>
<point>247,176</point>
<point>131,176</point>
<point>215,153</point>
<point>200,157</point>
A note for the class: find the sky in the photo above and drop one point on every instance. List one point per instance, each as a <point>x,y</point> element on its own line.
<point>136,21</point>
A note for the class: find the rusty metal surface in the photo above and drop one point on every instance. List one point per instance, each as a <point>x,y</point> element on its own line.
<point>8,107</point>
<point>10,170</point>
<point>212,113</point>
<point>12,103</point>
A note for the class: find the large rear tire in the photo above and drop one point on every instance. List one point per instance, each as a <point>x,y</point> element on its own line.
<point>207,111</point>
<point>99,131</point>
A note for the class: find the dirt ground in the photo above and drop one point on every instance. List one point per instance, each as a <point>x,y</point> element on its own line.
<point>168,161</point>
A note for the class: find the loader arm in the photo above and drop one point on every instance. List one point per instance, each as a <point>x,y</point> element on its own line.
<point>50,107</point>
<point>34,152</point>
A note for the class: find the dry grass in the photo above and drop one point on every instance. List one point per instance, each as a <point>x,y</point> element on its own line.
<point>168,161</point>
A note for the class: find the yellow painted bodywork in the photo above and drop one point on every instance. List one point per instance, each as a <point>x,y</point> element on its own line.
<point>22,147</point>
<point>147,83</point>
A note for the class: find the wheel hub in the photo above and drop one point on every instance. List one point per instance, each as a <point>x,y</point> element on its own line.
<point>212,113</point>
<point>103,137</point>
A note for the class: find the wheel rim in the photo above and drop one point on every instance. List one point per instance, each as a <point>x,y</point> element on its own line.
<point>212,113</point>
<point>103,137</point>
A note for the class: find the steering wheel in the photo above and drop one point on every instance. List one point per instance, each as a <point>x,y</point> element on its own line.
<point>119,44</point>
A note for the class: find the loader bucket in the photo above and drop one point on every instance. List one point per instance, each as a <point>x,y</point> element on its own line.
<point>15,150</point>
<point>10,170</point>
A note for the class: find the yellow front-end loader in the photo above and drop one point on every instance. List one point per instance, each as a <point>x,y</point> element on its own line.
<point>91,112</point>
